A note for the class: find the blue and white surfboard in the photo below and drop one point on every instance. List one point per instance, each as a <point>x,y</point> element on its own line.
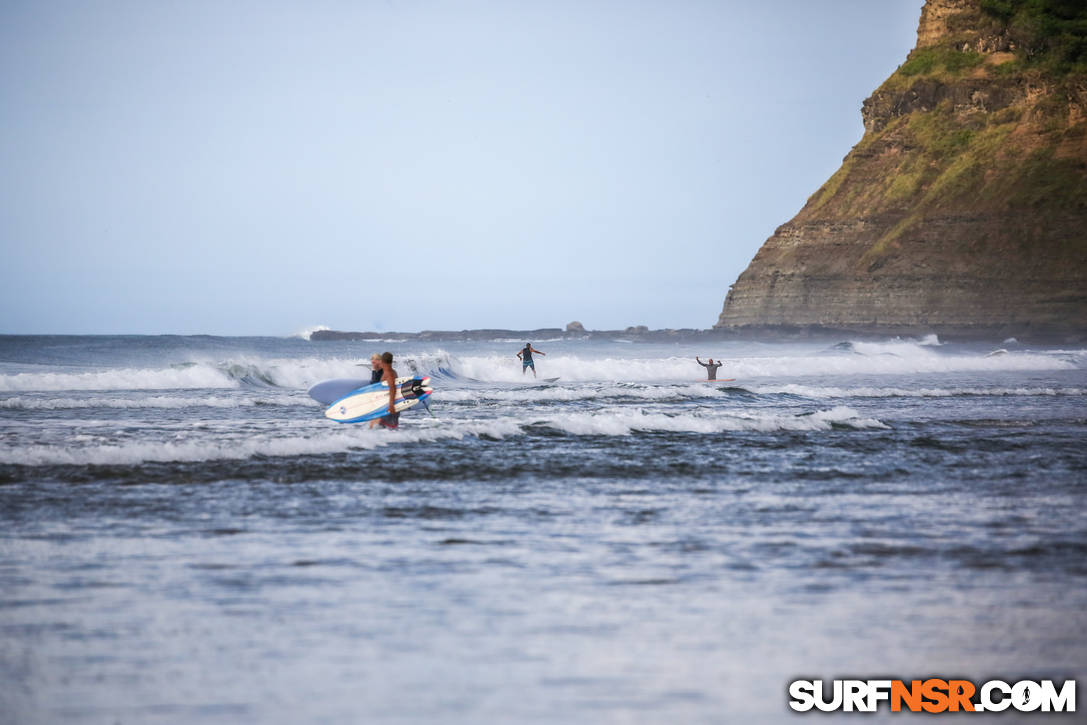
<point>372,401</point>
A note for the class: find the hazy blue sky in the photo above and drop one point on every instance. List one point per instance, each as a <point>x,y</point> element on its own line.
<point>234,167</point>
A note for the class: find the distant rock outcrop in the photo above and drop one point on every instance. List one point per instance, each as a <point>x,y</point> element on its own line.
<point>963,209</point>
<point>575,326</point>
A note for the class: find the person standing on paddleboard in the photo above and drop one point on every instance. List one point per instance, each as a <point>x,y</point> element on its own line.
<point>392,420</point>
<point>525,356</point>
<point>711,368</point>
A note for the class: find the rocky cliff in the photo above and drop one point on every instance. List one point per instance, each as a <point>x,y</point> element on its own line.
<point>963,209</point>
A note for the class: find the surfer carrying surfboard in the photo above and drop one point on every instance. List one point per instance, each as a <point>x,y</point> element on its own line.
<point>711,368</point>
<point>388,374</point>
<point>525,356</point>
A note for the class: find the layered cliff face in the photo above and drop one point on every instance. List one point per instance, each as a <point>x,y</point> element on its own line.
<point>963,209</point>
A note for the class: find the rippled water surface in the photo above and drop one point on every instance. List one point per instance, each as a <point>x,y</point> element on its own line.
<point>185,538</point>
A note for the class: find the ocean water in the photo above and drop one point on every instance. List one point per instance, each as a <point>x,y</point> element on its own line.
<point>185,538</point>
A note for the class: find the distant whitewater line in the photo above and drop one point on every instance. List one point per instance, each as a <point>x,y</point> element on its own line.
<point>543,334</point>
<point>848,359</point>
<point>641,333</point>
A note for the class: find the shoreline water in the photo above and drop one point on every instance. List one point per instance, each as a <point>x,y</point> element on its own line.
<point>185,537</point>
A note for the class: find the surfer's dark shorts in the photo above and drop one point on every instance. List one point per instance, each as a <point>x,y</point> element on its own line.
<point>528,364</point>
<point>390,421</point>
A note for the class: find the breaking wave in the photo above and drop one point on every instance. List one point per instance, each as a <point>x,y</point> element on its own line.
<point>307,333</point>
<point>846,359</point>
<point>809,391</point>
<point>172,378</point>
<point>347,439</point>
<point>625,422</point>
<point>132,453</point>
<point>204,375</point>
<point>893,358</point>
<point>151,402</point>
<point>697,391</point>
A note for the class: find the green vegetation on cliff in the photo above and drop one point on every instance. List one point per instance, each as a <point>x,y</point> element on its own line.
<point>956,127</point>
<point>929,61</point>
<point>1050,32</point>
<point>1048,35</point>
<point>964,206</point>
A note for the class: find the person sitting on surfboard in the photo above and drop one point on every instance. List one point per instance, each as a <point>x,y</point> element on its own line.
<point>376,372</point>
<point>392,420</point>
<point>711,368</point>
<point>525,356</point>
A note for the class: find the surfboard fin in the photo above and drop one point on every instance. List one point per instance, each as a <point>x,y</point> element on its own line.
<point>427,406</point>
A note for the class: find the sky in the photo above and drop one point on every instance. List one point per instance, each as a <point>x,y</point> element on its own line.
<point>260,168</point>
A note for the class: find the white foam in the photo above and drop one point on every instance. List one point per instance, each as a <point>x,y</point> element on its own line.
<point>1065,353</point>
<point>887,358</point>
<point>187,451</point>
<point>809,391</point>
<point>303,373</point>
<point>157,401</point>
<point>172,378</point>
<point>495,428</point>
<point>581,392</point>
<point>892,357</point>
<point>307,332</point>
<point>649,392</point>
<point>88,450</point>
<point>199,374</point>
<point>625,422</point>
<point>930,340</point>
<point>212,445</point>
<point>909,360</point>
